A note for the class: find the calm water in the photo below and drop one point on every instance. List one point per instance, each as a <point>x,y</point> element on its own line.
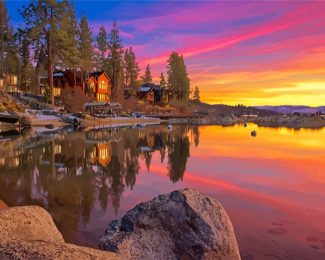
<point>272,186</point>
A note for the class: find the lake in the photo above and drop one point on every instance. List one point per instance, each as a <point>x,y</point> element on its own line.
<point>271,185</point>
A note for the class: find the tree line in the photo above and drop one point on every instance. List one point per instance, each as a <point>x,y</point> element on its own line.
<point>54,38</point>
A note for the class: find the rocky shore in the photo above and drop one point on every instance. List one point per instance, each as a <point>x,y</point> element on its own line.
<point>291,121</point>
<point>180,225</point>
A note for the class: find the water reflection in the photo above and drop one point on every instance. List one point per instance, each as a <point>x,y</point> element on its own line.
<point>272,186</point>
<point>67,173</point>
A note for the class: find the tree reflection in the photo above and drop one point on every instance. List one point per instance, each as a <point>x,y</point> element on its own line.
<point>69,173</point>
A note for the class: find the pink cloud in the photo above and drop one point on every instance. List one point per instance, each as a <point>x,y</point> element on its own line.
<point>196,47</point>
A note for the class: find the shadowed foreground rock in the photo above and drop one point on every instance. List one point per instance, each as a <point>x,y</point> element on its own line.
<point>179,225</point>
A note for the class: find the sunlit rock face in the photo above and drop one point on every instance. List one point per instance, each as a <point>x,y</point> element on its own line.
<point>28,223</point>
<point>29,233</point>
<point>180,225</point>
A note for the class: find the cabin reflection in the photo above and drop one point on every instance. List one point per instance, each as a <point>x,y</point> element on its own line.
<point>70,173</point>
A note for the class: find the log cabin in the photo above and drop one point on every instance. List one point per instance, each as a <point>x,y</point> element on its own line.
<point>151,93</point>
<point>73,88</point>
<point>100,85</point>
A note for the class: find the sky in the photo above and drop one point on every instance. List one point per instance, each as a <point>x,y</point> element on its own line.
<point>237,52</point>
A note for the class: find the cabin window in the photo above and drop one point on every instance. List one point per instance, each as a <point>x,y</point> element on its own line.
<point>56,92</point>
<point>1,83</point>
<point>57,149</point>
<point>102,85</point>
<point>92,85</point>
<point>101,97</point>
<point>13,80</point>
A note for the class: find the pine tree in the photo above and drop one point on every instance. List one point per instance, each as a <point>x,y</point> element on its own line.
<point>4,27</point>
<point>163,82</point>
<point>131,68</point>
<point>115,60</point>
<point>68,36</point>
<point>146,78</point>
<point>26,69</point>
<point>44,20</point>
<point>164,85</point>
<point>85,44</point>
<point>178,80</point>
<point>102,46</point>
<point>196,94</point>
<point>11,62</point>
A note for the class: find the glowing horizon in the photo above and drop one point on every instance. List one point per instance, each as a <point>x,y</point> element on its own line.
<point>251,53</point>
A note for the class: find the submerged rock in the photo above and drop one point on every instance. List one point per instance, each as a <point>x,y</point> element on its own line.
<point>179,225</point>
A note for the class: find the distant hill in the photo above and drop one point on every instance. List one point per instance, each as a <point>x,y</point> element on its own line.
<point>221,109</point>
<point>293,109</point>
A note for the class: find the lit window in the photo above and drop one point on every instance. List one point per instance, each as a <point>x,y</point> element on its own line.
<point>57,149</point>
<point>57,91</point>
<point>103,85</point>
<point>101,97</point>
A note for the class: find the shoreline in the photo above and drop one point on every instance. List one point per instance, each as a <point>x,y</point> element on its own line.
<point>293,122</point>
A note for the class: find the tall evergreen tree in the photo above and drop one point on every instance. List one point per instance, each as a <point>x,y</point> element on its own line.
<point>43,20</point>
<point>68,35</point>
<point>102,46</point>
<point>178,80</point>
<point>11,62</point>
<point>41,66</point>
<point>163,82</point>
<point>131,68</point>
<point>4,28</point>
<point>85,44</point>
<point>196,94</point>
<point>146,78</point>
<point>26,68</point>
<point>115,60</point>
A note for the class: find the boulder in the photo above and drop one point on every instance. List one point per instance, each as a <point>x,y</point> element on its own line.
<point>28,223</point>
<point>180,225</point>
<point>29,233</point>
<point>49,250</point>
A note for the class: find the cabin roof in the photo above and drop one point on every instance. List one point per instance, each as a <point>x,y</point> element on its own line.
<point>145,89</point>
<point>58,74</point>
<point>97,74</point>
<point>148,86</point>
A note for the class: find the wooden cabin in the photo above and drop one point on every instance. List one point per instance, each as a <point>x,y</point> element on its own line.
<point>100,85</point>
<point>9,82</point>
<point>151,93</point>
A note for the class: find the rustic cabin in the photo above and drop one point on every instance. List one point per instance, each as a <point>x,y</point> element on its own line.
<point>73,88</point>
<point>151,93</point>
<point>10,81</point>
<point>100,85</point>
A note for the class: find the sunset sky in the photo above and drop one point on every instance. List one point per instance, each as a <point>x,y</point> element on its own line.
<point>252,53</point>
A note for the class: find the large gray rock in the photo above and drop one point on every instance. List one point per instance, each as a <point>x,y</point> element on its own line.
<point>179,225</point>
